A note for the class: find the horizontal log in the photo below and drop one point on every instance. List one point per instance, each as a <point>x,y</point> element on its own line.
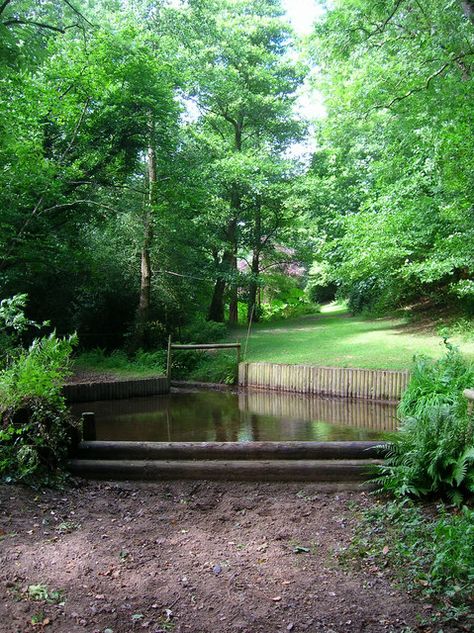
<point>115,390</point>
<point>282,470</point>
<point>228,450</point>
<point>208,346</point>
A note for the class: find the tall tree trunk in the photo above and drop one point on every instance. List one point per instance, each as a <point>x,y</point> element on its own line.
<point>232,256</point>
<point>252,311</point>
<point>143,310</point>
<point>216,309</point>
<point>228,268</point>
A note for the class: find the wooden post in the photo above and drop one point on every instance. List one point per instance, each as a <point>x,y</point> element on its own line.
<point>88,427</point>
<point>469,394</point>
<point>168,360</point>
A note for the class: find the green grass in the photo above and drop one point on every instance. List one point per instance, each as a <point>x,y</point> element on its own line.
<point>334,338</point>
<point>143,365</point>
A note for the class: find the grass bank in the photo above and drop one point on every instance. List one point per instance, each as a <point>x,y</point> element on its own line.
<point>337,339</point>
<point>333,338</point>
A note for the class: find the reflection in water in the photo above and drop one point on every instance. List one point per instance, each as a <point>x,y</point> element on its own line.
<point>214,416</point>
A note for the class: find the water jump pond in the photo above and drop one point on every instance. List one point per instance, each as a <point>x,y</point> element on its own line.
<point>188,415</point>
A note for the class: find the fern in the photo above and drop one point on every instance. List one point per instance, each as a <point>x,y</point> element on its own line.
<point>433,452</point>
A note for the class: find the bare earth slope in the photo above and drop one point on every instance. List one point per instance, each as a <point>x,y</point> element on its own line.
<point>186,556</point>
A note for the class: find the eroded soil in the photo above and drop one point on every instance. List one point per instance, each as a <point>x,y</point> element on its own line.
<point>189,557</point>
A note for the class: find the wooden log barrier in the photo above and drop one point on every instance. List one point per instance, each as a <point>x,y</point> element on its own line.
<point>229,451</point>
<point>278,470</point>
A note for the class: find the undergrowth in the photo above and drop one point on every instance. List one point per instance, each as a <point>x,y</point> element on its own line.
<point>119,362</point>
<point>427,550</point>
<point>432,454</point>
<point>36,429</point>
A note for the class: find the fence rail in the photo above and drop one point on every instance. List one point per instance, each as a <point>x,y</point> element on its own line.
<point>198,346</point>
<point>370,384</point>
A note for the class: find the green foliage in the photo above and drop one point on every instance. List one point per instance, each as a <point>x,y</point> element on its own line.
<point>293,307</point>
<point>203,331</point>
<point>463,328</point>
<point>430,553</point>
<point>431,455</point>
<point>13,324</point>
<point>218,368</point>
<point>36,430</point>
<point>433,451</point>
<point>320,287</point>
<point>37,372</point>
<point>35,440</point>
<point>118,362</point>
<point>438,382</point>
<point>390,188</point>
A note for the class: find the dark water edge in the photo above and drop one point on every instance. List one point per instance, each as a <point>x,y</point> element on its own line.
<point>246,416</point>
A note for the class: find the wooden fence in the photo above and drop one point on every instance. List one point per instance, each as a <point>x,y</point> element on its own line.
<point>370,384</point>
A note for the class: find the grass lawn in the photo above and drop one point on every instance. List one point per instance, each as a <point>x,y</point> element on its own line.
<point>334,338</point>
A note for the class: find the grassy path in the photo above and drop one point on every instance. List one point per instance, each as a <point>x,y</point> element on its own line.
<point>335,338</point>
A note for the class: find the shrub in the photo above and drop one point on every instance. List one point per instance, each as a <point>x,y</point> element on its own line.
<point>35,440</point>
<point>37,372</point>
<point>203,331</point>
<point>13,324</point>
<point>321,287</point>
<point>36,430</point>
<point>433,452</point>
<point>216,368</point>
<point>119,362</point>
<point>438,382</point>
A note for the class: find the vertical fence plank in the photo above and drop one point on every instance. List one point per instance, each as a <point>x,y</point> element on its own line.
<point>344,382</point>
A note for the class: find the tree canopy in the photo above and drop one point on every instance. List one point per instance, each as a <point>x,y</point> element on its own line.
<point>147,178</point>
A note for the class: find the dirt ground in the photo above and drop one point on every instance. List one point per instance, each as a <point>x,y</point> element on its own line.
<point>191,557</point>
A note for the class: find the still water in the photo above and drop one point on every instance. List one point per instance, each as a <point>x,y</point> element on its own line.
<point>215,416</point>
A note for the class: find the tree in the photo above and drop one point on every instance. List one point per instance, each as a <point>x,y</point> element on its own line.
<point>400,76</point>
<point>243,84</point>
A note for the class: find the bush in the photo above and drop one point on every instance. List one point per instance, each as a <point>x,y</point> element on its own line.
<point>13,324</point>
<point>216,368</point>
<point>433,452</point>
<point>37,372</point>
<point>117,361</point>
<point>464,328</point>
<point>35,441</point>
<point>203,331</point>
<point>438,382</point>
<point>321,287</point>
<point>36,430</point>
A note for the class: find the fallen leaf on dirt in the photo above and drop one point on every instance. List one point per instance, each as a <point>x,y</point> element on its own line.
<point>299,549</point>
